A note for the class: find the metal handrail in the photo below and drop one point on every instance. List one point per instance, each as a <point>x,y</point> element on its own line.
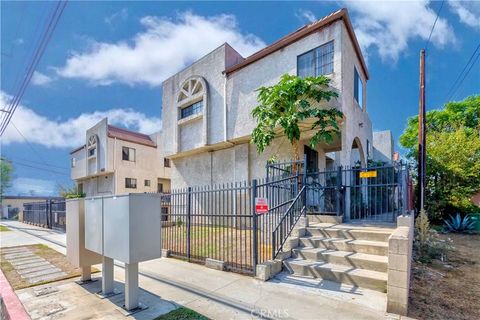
<point>288,212</point>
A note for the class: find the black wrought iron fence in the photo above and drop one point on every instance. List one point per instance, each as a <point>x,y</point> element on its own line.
<point>49,214</point>
<point>220,221</point>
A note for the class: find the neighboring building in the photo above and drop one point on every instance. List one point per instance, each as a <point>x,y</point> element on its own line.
<point>12,206</point>
<point>206,108</point>
<point>383,146</point>
<point>116,161</point>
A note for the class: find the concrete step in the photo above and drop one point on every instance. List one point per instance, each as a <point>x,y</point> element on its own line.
<point>344,258</point>
<point>333,272</point>
<point>349,232</point>
<point>361,246</point>
<point>322,218</point>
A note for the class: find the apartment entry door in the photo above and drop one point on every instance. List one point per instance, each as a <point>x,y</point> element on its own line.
<point>312,159</point>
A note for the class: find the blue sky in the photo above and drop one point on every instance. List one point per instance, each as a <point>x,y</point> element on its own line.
<point>109,58</point>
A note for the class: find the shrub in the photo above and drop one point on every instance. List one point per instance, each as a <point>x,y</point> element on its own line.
<point>179,222</point>
<point>457,224</point>
<point>427,244</point>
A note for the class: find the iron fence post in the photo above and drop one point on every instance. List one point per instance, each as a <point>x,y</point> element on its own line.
<point>48,212</point>
<point>304,182</point>
<point>189,213</point>
<point>339,190</point>
<point>255,227</point>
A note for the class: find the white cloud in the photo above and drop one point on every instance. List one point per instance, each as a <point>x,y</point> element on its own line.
<point>30,186</point>
<point>70,133</point>
<point>19,41</point>
<point>165,47</point>
<point>40,79</point>
<point>121,15</point>
<point>389,26</point>
<point>305,16</point>
<point>467,11</point>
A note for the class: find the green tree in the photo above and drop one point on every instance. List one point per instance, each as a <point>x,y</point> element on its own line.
<point>287,105</point>
<point>6,170</point>
<point>453,156</point>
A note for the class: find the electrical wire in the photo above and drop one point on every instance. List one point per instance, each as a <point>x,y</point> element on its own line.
<point>463,74</point>
<point>433,26</point>
<point>37,56</point>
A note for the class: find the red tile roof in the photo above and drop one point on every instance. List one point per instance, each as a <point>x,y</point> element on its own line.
<point>304,31</point>
<point>131,136</point>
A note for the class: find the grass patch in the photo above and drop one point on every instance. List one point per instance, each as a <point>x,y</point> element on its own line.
<point>182,313</point>
<point>232,245</point>
<point>55,258</point>
<point>3,228</point>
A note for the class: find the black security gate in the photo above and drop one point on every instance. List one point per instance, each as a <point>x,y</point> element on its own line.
<point>49,214</point>
<point>376,193</point>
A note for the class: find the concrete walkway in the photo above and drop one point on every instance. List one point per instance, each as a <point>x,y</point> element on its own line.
<point>226,295</point>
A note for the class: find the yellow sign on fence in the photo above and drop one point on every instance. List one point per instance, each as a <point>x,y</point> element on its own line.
<point>368,174</point>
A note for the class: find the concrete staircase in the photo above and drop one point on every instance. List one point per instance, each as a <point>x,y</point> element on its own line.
<point>345,253</point>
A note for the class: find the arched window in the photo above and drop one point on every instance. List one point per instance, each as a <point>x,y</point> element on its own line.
<point>92,146</point>
<point>192,97</point>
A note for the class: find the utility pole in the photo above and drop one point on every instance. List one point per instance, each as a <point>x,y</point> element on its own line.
<point>421,135</point>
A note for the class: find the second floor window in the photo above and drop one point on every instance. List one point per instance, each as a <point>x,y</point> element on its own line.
<point>192,109</point>
<point>147,183</point>
<point>316,62</point>
<point>358,88</point>
<point>131,183</point>
<point>74,162</point>
<point>128,154</point>
<point>166,163</point>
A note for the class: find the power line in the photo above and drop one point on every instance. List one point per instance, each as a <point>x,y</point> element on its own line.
<point>32,66</point>
<point>30,145</point>
<point>36,59</point>
<point>433,26</point>
<point>463,74</point>
<point>40,168</point>
<point>39,163</point>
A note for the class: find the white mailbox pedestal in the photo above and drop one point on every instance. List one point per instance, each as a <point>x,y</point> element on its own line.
<point>77,254</point>
<point>124,228</point>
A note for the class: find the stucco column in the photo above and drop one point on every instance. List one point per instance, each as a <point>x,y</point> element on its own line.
<point>131,286</point>
<point>86,273</point>
<point>107,276</point>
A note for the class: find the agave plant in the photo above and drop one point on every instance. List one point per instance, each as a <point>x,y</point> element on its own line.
<point>457,224</point>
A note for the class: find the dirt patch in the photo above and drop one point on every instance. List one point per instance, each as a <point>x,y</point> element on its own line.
<point>448,290</point>
<point>55,258</point>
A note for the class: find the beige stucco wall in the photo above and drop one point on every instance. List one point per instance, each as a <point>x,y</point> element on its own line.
<point>143,168</point>
<point>242,84</point>
<point>239,163</point>
<point>192,134</point>
<point>357,123</point>
<point>148,165</point>
<point>228,155</point>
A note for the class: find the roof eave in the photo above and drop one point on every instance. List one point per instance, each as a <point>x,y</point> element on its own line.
<point>301,33</point>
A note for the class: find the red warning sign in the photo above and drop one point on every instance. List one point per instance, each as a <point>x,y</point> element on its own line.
<point>261,205</point>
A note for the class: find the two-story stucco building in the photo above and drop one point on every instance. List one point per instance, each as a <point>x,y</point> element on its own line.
<point>207,121</point>
<point>115,161</point>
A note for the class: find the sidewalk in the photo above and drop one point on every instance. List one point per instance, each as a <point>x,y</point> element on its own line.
<point>226,295</point>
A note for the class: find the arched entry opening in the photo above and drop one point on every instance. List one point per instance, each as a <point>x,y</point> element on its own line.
<point>357,155</point>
